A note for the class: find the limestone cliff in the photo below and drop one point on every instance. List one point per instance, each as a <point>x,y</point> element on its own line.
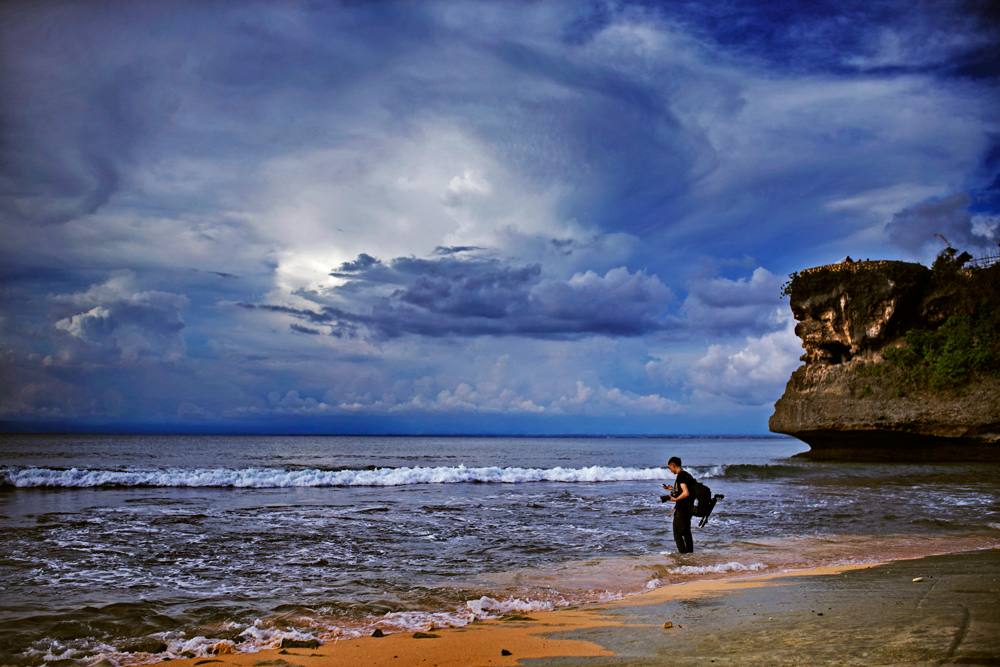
<point>901,362</point>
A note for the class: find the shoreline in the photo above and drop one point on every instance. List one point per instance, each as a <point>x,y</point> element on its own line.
<point>953,613</point>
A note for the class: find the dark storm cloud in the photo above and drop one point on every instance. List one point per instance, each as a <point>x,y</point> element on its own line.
<point>915,227</point>
<point>71,116</point>
<point>87,86</point>
<point>454,250</point>
<point>360,264</point>
<point>452,297</point>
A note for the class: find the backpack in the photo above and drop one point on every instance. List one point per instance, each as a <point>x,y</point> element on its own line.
<point>703,497</point>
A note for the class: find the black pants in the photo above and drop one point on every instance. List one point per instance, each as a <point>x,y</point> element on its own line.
<point>682,528</point>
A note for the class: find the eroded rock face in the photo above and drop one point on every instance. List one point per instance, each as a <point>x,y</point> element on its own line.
<point>856,309</point>
<point>847,316</point>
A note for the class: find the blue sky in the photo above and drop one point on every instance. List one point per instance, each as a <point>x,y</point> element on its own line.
<point>464,217</point>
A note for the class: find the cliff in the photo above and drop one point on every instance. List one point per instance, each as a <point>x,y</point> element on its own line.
<point>902,362</point>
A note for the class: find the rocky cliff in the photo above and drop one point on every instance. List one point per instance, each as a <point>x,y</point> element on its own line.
<point>902,362</point>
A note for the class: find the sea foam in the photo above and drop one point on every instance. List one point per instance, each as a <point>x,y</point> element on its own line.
<point>721,568</point>
<point>264,478</point>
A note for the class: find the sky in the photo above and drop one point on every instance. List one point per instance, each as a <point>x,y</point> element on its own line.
<point>462,217</point>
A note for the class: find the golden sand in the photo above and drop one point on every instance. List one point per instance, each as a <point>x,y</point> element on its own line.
<point>491,643</point>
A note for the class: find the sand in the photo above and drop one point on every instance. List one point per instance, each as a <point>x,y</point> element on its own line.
<point>863,615</point>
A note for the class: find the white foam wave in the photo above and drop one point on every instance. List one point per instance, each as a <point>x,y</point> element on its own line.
<point>487,607</point>
<point>481,609</point>
<point>712,472</point>
<point>279,478</point>
<point>722,568</point>
<point>261,636</point>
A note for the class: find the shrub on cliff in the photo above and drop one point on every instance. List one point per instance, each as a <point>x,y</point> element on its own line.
<point>967,343</point>
<point>951,355</point>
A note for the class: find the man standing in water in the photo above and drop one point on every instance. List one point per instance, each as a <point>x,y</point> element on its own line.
<point>682,493</point>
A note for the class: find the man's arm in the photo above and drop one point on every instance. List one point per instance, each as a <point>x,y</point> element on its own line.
<point>683,494</point>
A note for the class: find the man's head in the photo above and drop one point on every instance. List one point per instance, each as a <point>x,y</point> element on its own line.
<point>674,464</point>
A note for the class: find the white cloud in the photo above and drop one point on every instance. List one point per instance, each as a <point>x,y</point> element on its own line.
<point>721,306</point>
<point>125,322</point>
<point>87,325</point>
<point>986,226</point>
<point>753,375</point>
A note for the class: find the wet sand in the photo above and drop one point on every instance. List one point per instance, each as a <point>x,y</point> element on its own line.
<point>861,615</point>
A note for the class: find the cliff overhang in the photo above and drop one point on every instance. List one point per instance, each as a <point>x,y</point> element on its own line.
<point>901,362</point>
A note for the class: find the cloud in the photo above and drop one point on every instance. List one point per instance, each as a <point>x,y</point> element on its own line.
<point>119,321</point>
<point>484,398</point>
<point>720,305</point>
<point>81,112</point>
<point>405,200</point>
<point>753,375</point>
<point>446,296</point>
<point>913,228</point>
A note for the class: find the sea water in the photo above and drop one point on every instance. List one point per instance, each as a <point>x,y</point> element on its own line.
<point>112,547</point>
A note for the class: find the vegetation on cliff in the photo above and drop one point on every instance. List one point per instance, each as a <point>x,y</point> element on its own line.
<point>966,344</point>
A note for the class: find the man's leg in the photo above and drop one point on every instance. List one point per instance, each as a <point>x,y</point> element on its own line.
<point>682,529</point>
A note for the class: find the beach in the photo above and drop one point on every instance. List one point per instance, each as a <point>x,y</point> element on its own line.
<point>937,610</point>
<point>126,550</point>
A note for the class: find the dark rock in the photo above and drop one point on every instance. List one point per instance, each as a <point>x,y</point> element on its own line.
<point>425,635</point>
<point>504,651</point>
<point>846,402</point>
<point>378,633</point>
<point>516,617</point>
<point>299,643</point>
<point>145,645</point>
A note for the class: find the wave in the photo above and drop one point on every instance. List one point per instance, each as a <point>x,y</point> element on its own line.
<point>744,472</point>
<point>722,568</point>
<point>267,478</point>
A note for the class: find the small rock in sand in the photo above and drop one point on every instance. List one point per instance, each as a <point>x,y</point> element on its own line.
<point>668,624</point>
<point>378,633</point>
<point>504,651</point>
<point>919,579</point>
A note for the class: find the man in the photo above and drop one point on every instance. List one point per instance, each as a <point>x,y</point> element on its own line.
<point>682,493</point>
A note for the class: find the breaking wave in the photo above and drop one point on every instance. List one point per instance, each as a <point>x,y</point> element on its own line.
<point>749,472</point>
<point>264,478</point>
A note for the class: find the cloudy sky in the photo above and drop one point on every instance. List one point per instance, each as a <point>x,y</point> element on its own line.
<point>466,217</point>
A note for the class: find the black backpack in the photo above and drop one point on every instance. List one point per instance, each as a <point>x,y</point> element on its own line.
<point>703,497</point>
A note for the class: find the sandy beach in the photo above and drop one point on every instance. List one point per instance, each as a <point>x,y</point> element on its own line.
<point>938,610</point>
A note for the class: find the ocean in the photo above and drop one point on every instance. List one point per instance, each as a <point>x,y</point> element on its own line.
<point>132,549</point>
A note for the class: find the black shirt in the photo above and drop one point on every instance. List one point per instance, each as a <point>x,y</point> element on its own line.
<point>684,477</point>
